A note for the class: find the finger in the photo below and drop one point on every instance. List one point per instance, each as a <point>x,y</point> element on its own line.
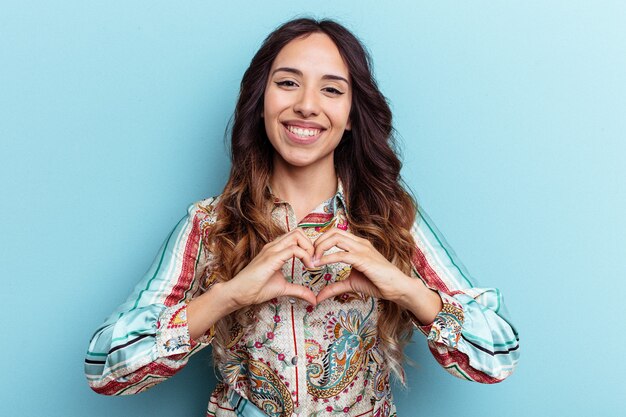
<point>341,256</point>
<point>301,292</point>
<point>342,242</point>
<point>331,233</point>
<point>290,251</point>
<point>296,236</point>
<point>336,288</point>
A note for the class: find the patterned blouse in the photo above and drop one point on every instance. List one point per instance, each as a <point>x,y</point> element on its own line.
<point>297,360</point>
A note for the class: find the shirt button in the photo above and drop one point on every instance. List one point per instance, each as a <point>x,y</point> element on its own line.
<point>294,360</point>
<point>292,300</point>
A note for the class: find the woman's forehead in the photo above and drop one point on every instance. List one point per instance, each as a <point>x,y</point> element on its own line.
<point>315,53</point>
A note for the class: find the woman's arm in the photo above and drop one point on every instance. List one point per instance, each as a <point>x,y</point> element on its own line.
<point>472,336</point>
<point>469,332</point>
<point>146,339</point>
<point>168,317</point>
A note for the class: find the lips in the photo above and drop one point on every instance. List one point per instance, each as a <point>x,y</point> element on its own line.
<point>303,131</point>
<point>303,134</point>
<point>303,124</point>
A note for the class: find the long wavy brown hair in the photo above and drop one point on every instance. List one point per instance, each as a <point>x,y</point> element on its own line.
<point>380,208</point>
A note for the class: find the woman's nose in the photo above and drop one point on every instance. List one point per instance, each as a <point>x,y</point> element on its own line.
<point>308,102</point>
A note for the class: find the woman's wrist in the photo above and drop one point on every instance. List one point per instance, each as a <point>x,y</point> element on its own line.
<point>206,310</point>
<point>420,300</point>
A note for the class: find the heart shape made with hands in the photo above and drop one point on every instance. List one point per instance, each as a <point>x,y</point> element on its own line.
<point>370,272</point>
<point>339,247</point>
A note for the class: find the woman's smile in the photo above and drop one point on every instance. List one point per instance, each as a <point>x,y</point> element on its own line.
<point>302,135</point>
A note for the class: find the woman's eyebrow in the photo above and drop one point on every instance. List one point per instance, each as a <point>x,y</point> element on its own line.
<point>299,73</point>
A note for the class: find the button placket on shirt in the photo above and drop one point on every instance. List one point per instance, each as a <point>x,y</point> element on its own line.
<point>292,270</point>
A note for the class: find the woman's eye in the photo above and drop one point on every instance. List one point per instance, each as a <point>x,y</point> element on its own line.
<point>286,83</point>
<point>333,91</point>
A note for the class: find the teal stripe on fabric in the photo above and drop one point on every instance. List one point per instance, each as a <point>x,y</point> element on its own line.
<point>460,371</point>
<point>159,265</point>
<point>134,333</point>
<point>96,353</point>
<point>475,338</point>
<point>444,246</point>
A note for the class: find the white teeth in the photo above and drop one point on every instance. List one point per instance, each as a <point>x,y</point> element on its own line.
<point>305,133</point>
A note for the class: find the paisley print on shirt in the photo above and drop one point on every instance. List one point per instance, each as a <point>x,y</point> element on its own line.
<point>259,381</point>
<point>352,337</point>
<point>268,392</point>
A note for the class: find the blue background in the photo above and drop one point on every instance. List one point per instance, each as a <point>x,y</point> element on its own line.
<point>512,118</point>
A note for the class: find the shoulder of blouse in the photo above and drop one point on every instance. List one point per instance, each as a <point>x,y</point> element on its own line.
<point>205,209</point>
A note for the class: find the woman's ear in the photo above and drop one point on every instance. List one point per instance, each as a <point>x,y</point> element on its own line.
<point>349,124</point>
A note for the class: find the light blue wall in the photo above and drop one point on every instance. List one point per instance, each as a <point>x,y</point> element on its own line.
<point>512,117</point>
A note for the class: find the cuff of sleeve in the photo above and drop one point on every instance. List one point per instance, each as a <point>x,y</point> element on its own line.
<point>172,335</point>
<point>447,326</point>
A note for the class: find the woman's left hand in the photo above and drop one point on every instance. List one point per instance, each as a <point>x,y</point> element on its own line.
<point>374,275</point>
<point>371,274</point>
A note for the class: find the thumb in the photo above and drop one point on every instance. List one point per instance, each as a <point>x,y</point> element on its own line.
<point>334,289</point>
<point>300,291</point>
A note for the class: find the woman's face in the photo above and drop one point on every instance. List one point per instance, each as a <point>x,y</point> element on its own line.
<point>307,102</point>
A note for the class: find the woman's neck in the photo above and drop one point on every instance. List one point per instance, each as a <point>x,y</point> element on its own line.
<point>303,187</point>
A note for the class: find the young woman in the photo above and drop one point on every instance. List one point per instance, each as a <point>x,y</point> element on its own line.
<point>311,270</point>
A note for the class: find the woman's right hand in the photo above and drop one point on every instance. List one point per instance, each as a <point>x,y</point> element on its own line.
<point>262,279</point>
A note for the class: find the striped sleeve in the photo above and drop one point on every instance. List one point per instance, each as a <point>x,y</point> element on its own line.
<point>146,339</point>
<point>472,337</point>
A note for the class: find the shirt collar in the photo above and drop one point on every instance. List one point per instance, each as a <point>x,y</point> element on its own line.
<point>338,200</point>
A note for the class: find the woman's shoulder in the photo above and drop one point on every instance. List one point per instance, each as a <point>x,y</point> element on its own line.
<point>205,209</point>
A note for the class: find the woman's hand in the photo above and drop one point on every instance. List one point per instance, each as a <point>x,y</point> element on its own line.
<point>262,279</point>
<point>373,274</point>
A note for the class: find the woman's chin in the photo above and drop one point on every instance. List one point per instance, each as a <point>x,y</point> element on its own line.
<point>301,161</point>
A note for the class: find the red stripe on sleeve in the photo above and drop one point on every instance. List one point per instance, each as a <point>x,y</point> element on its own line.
<point>460,359</point>
<point>188,268</point>
<point>427,272</point>
<point>155,369</point>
